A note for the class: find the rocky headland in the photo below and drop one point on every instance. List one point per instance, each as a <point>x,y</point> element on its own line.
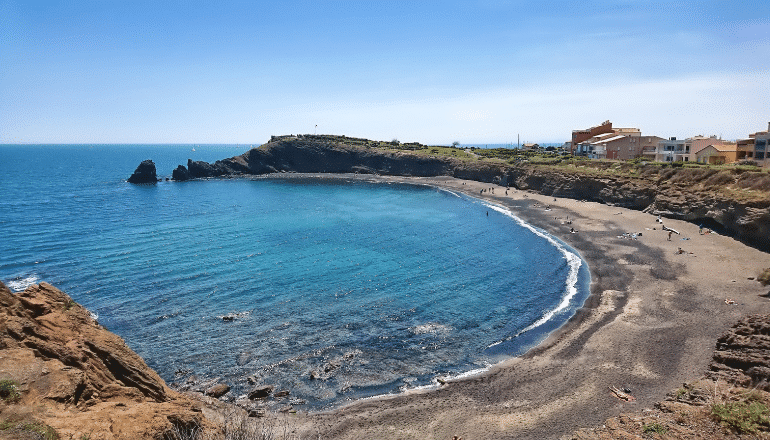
<point>61,372</point>
<point>733,201</point>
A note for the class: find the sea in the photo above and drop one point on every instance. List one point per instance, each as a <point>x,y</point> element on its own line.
<point>332,289</point>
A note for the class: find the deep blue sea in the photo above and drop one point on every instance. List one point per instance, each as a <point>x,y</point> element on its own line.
<point>371,288</point>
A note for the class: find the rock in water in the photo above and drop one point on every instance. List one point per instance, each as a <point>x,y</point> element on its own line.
<point>218,390</point>
<point>144,173</point>
<point>260,392</point>
<point>180,174</point>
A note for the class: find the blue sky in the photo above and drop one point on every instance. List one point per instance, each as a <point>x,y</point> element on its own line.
<point>483,71</point>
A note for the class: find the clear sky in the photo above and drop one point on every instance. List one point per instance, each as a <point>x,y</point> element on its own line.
<point>104,71</point>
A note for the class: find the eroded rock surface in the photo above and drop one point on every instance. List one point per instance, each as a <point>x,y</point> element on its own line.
<point>79,378</point>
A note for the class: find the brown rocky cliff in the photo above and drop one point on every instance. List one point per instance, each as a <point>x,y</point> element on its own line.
<point>79,378</point>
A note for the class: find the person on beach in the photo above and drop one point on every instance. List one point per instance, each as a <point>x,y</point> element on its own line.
<point>669,235</point>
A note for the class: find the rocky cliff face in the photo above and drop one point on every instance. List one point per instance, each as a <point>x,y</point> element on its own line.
<point>685,194</point>
<point>75,376</point>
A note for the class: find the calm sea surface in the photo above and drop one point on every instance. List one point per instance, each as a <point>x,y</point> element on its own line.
<point>371,288</point>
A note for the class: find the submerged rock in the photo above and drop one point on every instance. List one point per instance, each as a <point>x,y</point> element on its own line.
<point>144,173</point>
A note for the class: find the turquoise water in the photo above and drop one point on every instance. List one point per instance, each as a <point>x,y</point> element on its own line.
<point>371,288</point>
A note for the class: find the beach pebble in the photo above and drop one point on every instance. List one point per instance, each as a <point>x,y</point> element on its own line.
<point>282,393</point>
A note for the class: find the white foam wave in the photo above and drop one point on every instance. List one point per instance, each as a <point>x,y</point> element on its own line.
<point>573,261</point>
<point>449,191</point>
<point>19,284</point>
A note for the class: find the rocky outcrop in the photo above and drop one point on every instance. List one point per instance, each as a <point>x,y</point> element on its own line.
<point>180,174</point>
<point>742,355</point>
<point>79,378</point>
<point>144,173</point>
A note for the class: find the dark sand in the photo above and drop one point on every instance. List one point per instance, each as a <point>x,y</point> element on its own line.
<point>650,324</point>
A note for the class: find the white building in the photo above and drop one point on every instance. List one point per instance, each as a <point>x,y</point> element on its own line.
<point>673,150</point>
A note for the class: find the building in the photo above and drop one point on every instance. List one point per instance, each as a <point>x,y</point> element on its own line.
<point>718,154</point>
<point>530,146</point>
<point>745,149</point>
<point>579,136</point>
<point>673,150</point>
<point>630,147</point>
<point>762,146</point>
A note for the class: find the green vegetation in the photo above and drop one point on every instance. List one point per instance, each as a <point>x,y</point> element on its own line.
<point>9,391</point>
<point>654,428</point>
<point>43,431</point>
<point>749,414</point>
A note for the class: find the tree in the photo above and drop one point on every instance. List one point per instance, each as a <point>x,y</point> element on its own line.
<point>455,144</point>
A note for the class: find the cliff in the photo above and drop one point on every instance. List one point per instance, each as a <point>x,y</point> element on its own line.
<point>732,201</point>
<point>61,370</point>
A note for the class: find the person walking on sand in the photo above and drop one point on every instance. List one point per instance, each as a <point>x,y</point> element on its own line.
<point>669,235</point>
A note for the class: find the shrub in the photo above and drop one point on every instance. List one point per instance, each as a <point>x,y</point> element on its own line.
<point>9,391</point>
<point>744,416</point>
<point>654,428</point>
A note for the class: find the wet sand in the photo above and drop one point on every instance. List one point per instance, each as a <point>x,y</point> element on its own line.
<point>650,324</point>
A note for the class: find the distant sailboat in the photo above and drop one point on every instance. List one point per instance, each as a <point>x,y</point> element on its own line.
<point>193,148</point>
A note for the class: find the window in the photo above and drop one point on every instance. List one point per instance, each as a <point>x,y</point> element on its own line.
<point>760,155</point>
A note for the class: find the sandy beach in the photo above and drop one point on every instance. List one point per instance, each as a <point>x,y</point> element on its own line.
<point>650,324</point>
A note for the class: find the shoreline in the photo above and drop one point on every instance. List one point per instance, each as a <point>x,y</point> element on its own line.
<point>650,322</point>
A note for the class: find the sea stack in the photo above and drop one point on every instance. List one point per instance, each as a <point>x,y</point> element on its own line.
<point>180,174</point>
<point>144,173</point>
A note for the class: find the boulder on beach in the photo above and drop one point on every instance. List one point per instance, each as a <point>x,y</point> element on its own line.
<point>144,173</point>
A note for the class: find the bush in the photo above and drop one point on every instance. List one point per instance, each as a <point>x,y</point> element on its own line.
<point>654,428</point>
<point>9,391</point>
<point>744,417</point>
